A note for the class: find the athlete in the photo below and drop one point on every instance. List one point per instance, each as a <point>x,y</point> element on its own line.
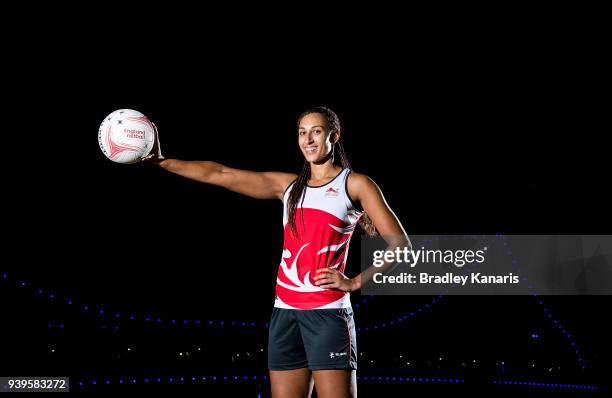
<point>312,331</point>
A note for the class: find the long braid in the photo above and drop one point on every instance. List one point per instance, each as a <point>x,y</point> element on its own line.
<point>296,193</point>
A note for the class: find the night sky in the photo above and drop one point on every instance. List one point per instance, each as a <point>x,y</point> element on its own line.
<point>481,144</point>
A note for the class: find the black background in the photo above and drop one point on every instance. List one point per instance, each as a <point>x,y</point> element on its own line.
<point>491,136</point>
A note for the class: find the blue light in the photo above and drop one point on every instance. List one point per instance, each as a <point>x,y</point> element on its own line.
<point>364,300</point>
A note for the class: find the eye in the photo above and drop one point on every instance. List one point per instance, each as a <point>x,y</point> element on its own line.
<point>317,131</point>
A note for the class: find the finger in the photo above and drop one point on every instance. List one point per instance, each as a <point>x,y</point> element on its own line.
<point>325,280</point>
<point>328,270</point>
<point>329,285</point>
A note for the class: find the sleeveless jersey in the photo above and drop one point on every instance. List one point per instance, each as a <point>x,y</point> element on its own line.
<point>325,223</point>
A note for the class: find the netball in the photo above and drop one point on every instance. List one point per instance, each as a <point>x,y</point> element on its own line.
<point>126,136</point>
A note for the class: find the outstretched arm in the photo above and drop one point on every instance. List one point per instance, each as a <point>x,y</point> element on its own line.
<point>259,185</point>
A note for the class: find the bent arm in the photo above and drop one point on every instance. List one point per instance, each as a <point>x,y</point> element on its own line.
<point>364,190</point>
<point>258,185</point>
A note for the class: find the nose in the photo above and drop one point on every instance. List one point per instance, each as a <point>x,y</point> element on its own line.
<point>309,138</point>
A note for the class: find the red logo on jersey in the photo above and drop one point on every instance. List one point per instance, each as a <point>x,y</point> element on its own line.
<point>331,192</point>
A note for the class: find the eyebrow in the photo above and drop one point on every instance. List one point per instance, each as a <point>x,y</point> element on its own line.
<point>312,127</point>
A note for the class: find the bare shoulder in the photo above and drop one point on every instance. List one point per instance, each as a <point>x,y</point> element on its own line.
<point>281,181</point>
<point>359,184</point>
<point>359,180</point>
<point>286,178</point>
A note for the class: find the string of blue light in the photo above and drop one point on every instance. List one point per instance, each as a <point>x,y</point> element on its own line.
<point>118,316</point>
<point>555,322</point>
<point>250,379</point>
<point>243,324</point>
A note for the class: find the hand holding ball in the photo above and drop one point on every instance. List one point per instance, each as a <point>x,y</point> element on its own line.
<point>127,136</point>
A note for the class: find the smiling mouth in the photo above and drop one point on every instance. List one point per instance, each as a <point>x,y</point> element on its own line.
<point>310,150</point>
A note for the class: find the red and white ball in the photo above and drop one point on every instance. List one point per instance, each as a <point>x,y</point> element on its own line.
<point>126,136</point>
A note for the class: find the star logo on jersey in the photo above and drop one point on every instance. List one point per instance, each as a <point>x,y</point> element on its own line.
<point>332,192</point>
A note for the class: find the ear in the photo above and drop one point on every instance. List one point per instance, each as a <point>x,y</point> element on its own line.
<point>335,136</point>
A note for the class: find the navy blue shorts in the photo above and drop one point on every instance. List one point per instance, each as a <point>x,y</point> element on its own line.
<point>313,339</point>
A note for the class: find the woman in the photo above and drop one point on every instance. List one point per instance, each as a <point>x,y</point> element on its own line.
<point>312,332</point>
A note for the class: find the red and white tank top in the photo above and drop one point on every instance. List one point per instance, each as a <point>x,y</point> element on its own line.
<point>323,241</point>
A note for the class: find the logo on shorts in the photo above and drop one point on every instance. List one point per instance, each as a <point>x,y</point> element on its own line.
<point>336,354</point>
<point>331,192</point>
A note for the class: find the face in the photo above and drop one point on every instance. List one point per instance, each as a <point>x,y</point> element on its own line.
<point>314,137</point>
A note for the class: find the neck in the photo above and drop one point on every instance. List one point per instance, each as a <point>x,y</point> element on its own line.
<point>323,170</point>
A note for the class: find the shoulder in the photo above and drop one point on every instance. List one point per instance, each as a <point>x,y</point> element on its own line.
<point>284,180</point>
<point>359,184</point>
